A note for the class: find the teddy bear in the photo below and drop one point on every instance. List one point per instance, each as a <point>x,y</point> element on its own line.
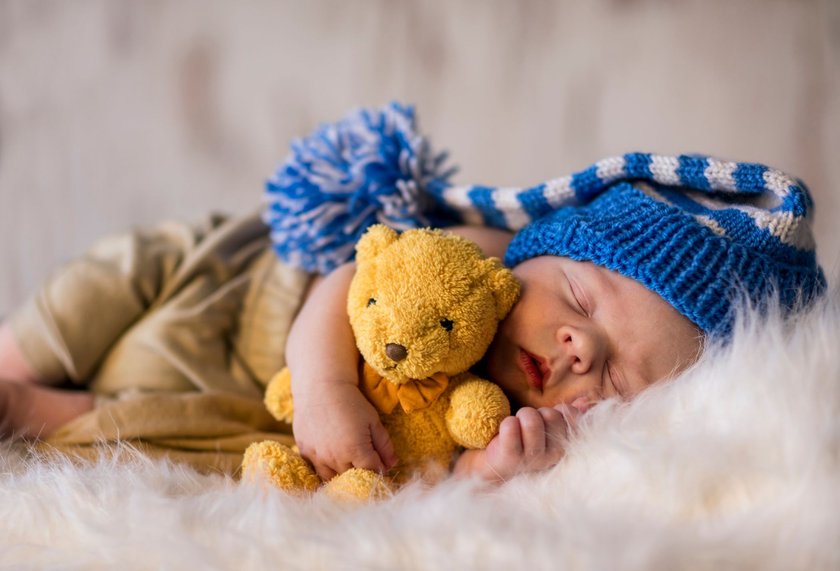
<point>424,307</point>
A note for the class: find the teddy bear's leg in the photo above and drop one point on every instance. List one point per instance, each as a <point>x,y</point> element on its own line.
<point>358,485</point>
<point>276,463</point>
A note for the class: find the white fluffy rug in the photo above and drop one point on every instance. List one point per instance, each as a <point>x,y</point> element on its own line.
<point>734,465</point>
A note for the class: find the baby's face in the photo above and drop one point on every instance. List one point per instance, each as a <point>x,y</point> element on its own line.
<point>581,333</point>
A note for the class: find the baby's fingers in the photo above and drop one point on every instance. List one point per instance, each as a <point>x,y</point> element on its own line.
<point>533,432</point>
<point>324,470</point>
<point>383,446</point>
<point>510,437</point>
<point>556,431</point>
<point>368,458</point>
<point>503,455</point>
<point>326,464</point>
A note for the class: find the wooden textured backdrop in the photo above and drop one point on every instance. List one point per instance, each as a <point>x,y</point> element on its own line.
<point>120,112</point>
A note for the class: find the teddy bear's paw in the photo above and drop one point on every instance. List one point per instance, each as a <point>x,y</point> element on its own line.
<point>279,465</point>
<point>358,485</point>
<point>278,396</point>
<point>476,409</point>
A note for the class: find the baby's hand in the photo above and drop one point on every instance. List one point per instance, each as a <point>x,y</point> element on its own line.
<point>531,441</point>
<point>336,428</point>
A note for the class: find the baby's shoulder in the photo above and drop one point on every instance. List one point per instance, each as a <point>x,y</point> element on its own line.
<point>492,241</point>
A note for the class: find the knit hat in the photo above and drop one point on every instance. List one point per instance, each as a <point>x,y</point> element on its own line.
<point>696,230</point>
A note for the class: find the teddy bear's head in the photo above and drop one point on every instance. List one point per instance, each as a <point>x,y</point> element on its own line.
<point>425,301</point>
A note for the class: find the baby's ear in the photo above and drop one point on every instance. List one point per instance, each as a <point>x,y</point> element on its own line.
<point>503,284</point>
<point>377,238</point>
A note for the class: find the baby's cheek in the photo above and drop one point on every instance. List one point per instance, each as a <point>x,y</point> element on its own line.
<point>497,362</point>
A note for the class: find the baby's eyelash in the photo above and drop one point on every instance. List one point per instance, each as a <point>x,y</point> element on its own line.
<point>614,380</point>
<point>608,373</point>
<point>576,296</point>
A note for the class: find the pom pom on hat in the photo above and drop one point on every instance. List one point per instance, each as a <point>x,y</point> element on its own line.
<point>370,167</point>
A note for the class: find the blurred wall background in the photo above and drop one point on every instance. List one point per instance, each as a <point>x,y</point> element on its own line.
<point>120,112</point>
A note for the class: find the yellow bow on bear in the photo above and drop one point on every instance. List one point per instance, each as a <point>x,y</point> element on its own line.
<point>416,394</point>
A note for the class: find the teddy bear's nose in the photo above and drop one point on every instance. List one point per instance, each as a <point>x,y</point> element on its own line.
<point>396,352</point>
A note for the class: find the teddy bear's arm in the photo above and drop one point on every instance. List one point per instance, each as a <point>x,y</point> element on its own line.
<point>278,396</point>
<point>476,409</point>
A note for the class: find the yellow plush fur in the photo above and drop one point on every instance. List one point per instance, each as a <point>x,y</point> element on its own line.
<point>424,306</point>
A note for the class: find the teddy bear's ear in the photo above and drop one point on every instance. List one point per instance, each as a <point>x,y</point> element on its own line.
<point>504,285</point>
<point>375,240</point>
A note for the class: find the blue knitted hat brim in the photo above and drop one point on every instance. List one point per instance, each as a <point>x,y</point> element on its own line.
<point>665,249</point>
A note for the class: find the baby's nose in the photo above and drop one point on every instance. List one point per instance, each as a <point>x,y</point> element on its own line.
<point>580,348</point>
<point>396,352</point>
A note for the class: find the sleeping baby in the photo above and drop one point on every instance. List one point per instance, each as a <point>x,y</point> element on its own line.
<point>166,337</point>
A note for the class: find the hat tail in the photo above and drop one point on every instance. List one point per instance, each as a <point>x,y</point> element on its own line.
<point>512,208</point>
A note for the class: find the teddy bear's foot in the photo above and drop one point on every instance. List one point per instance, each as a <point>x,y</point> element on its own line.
<point>358,485</point>
<point>280,465</point>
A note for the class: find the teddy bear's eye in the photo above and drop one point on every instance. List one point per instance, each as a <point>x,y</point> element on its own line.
<point>446,324</point>
<point>371,301</point>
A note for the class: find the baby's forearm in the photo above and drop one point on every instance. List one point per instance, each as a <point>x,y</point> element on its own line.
<point>335,427</point>
<point>321,346</point>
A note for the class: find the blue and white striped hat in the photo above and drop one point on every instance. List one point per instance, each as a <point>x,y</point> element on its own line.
<point>692,228</point>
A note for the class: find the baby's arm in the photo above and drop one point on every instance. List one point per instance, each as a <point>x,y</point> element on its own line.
<point>335,426</point>
<point>531,441</point>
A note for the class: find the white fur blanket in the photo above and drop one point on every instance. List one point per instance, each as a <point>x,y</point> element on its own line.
<point>736,464</point>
